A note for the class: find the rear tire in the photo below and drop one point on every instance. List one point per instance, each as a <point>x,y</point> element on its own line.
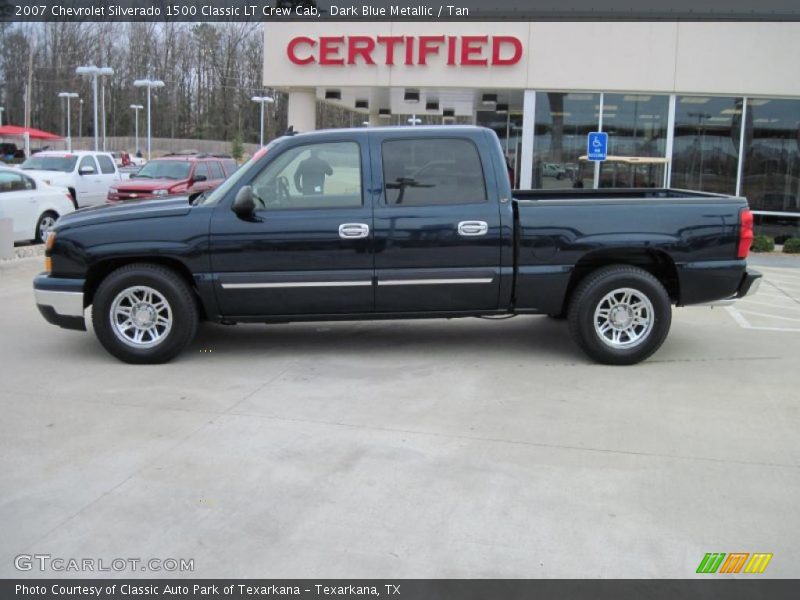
<point>620,315</point>
<point>144,314</point>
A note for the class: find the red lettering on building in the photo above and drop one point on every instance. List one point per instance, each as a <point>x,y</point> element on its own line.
<point>466,50</point>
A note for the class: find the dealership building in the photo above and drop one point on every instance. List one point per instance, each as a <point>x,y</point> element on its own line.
<point>711,106</point>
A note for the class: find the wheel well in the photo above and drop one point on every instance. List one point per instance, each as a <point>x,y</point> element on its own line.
<point>657,263</point>
<point>98,272</point>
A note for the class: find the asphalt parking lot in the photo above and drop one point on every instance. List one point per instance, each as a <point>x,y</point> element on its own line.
<point>465,448</point>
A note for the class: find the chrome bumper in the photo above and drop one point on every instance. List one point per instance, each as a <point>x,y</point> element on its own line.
<point>62,307</point>
<point>65,304</point>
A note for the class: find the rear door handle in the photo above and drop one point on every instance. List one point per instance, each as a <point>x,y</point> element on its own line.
<point>353,231</point>
<point>472,228</point>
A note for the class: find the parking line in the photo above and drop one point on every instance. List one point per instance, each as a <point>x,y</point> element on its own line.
<point>758,314</point>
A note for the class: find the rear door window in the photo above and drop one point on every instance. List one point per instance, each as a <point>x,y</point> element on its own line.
<point>106,164</point>
<point>216,170</point>
<point>429,172</point>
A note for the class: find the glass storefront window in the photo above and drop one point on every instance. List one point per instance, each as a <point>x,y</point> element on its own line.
<point>637,127</point>
<point>705,153</point>
<point>562,122</point>
<point>508,127</point>
<point>771,172</point>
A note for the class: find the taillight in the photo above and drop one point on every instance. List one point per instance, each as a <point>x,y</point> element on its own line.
<point>745,232</point>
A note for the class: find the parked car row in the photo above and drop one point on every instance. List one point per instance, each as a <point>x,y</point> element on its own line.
<point>52,183</point>
<point>33,205</point>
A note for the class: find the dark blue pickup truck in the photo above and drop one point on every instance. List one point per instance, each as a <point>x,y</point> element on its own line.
<point>391,223</point>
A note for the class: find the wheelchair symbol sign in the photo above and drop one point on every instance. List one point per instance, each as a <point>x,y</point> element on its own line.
<point>597,146</point>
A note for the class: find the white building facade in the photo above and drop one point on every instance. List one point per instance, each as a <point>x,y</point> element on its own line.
<point>713,106</point>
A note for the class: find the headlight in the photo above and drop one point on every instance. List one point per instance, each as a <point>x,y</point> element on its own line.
<point>160,192</point>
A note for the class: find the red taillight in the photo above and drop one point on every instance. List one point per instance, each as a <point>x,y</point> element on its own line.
<point>745,233</point>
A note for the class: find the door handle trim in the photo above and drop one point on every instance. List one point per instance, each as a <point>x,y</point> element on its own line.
<point>353,231</point>
<point>473,228</point>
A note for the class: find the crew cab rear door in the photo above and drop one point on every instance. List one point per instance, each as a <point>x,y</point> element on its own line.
<point>308,251</point>
<point>438,231</point>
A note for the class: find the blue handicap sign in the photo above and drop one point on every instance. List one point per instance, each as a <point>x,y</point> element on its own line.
<point>597,145</point>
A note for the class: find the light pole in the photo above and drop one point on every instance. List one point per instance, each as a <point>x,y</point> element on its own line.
<point>80,121</point>
<point>136,108</point>
<point>94,73</point>
<point>1,115</point>
<point>262,100</point>
<point>149,84</point>
<point>67,96</point>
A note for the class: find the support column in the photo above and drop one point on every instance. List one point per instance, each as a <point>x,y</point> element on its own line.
<point>302,111</point>
<point>525,176</point>
<point>375,120</point>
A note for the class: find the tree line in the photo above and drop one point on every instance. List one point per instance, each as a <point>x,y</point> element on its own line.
<point>210,71</point>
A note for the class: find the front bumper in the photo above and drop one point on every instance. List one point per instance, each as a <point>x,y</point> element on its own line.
<point>60,301</point>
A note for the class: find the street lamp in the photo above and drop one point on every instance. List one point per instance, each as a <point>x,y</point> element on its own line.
<point>94,73</point>
<point>67,96</point>
<point>136,108</point>
<point>149,84</point>
<point>262,100</point>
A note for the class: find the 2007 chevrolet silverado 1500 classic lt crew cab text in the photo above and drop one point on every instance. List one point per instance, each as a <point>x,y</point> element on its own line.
<point>393,223</point>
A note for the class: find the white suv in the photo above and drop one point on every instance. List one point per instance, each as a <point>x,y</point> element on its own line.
<point>87,175</point>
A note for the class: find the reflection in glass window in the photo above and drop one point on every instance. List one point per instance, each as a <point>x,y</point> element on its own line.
<point>705,154</point>
<point>432,172</point>
<point>508,127</point>
<point>771,173</point>
<point>562,123</point>
<point>637,127</point>
<point>324,175</point>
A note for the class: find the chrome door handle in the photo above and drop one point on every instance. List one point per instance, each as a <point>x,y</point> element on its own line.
<point>353,231</point>
<point>472,228</point>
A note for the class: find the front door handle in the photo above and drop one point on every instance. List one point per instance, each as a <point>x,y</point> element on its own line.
<point>353,231</point>
<point>472,228</point>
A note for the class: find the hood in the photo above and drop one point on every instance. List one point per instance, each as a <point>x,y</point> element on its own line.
<point>46,175</point>
<point>134,209</point>
<point>147,185</point>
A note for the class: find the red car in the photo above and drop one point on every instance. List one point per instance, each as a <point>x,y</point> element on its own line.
<point>174,175</point>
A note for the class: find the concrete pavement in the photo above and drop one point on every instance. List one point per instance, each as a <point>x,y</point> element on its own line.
<point>464,448</point>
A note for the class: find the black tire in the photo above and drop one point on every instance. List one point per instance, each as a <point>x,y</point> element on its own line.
<point>181,307</point>
<point>595,290</point>
<point>45,222</point>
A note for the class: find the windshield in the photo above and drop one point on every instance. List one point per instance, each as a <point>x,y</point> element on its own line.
<point>65,164</point>
<point>164,169</point>
<point>220,192</point>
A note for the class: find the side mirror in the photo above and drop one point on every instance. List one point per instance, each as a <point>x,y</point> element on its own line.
<point>86,171</point>
<point>200,178</point>
<point>243,204</point>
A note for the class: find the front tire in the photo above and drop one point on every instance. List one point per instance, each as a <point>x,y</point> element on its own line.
<point>620,315</point>
<point>44,225</point>
<point>144,314</point>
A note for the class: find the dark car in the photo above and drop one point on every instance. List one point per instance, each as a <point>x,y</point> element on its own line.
<point>394,222</point>
<point>174,175</point>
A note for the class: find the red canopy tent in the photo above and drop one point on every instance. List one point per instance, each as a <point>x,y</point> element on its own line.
<point>34,134</point>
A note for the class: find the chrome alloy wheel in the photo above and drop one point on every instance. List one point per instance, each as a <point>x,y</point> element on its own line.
<point>45,225</point>
<point>141,317</point>
<point>624,318</point>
